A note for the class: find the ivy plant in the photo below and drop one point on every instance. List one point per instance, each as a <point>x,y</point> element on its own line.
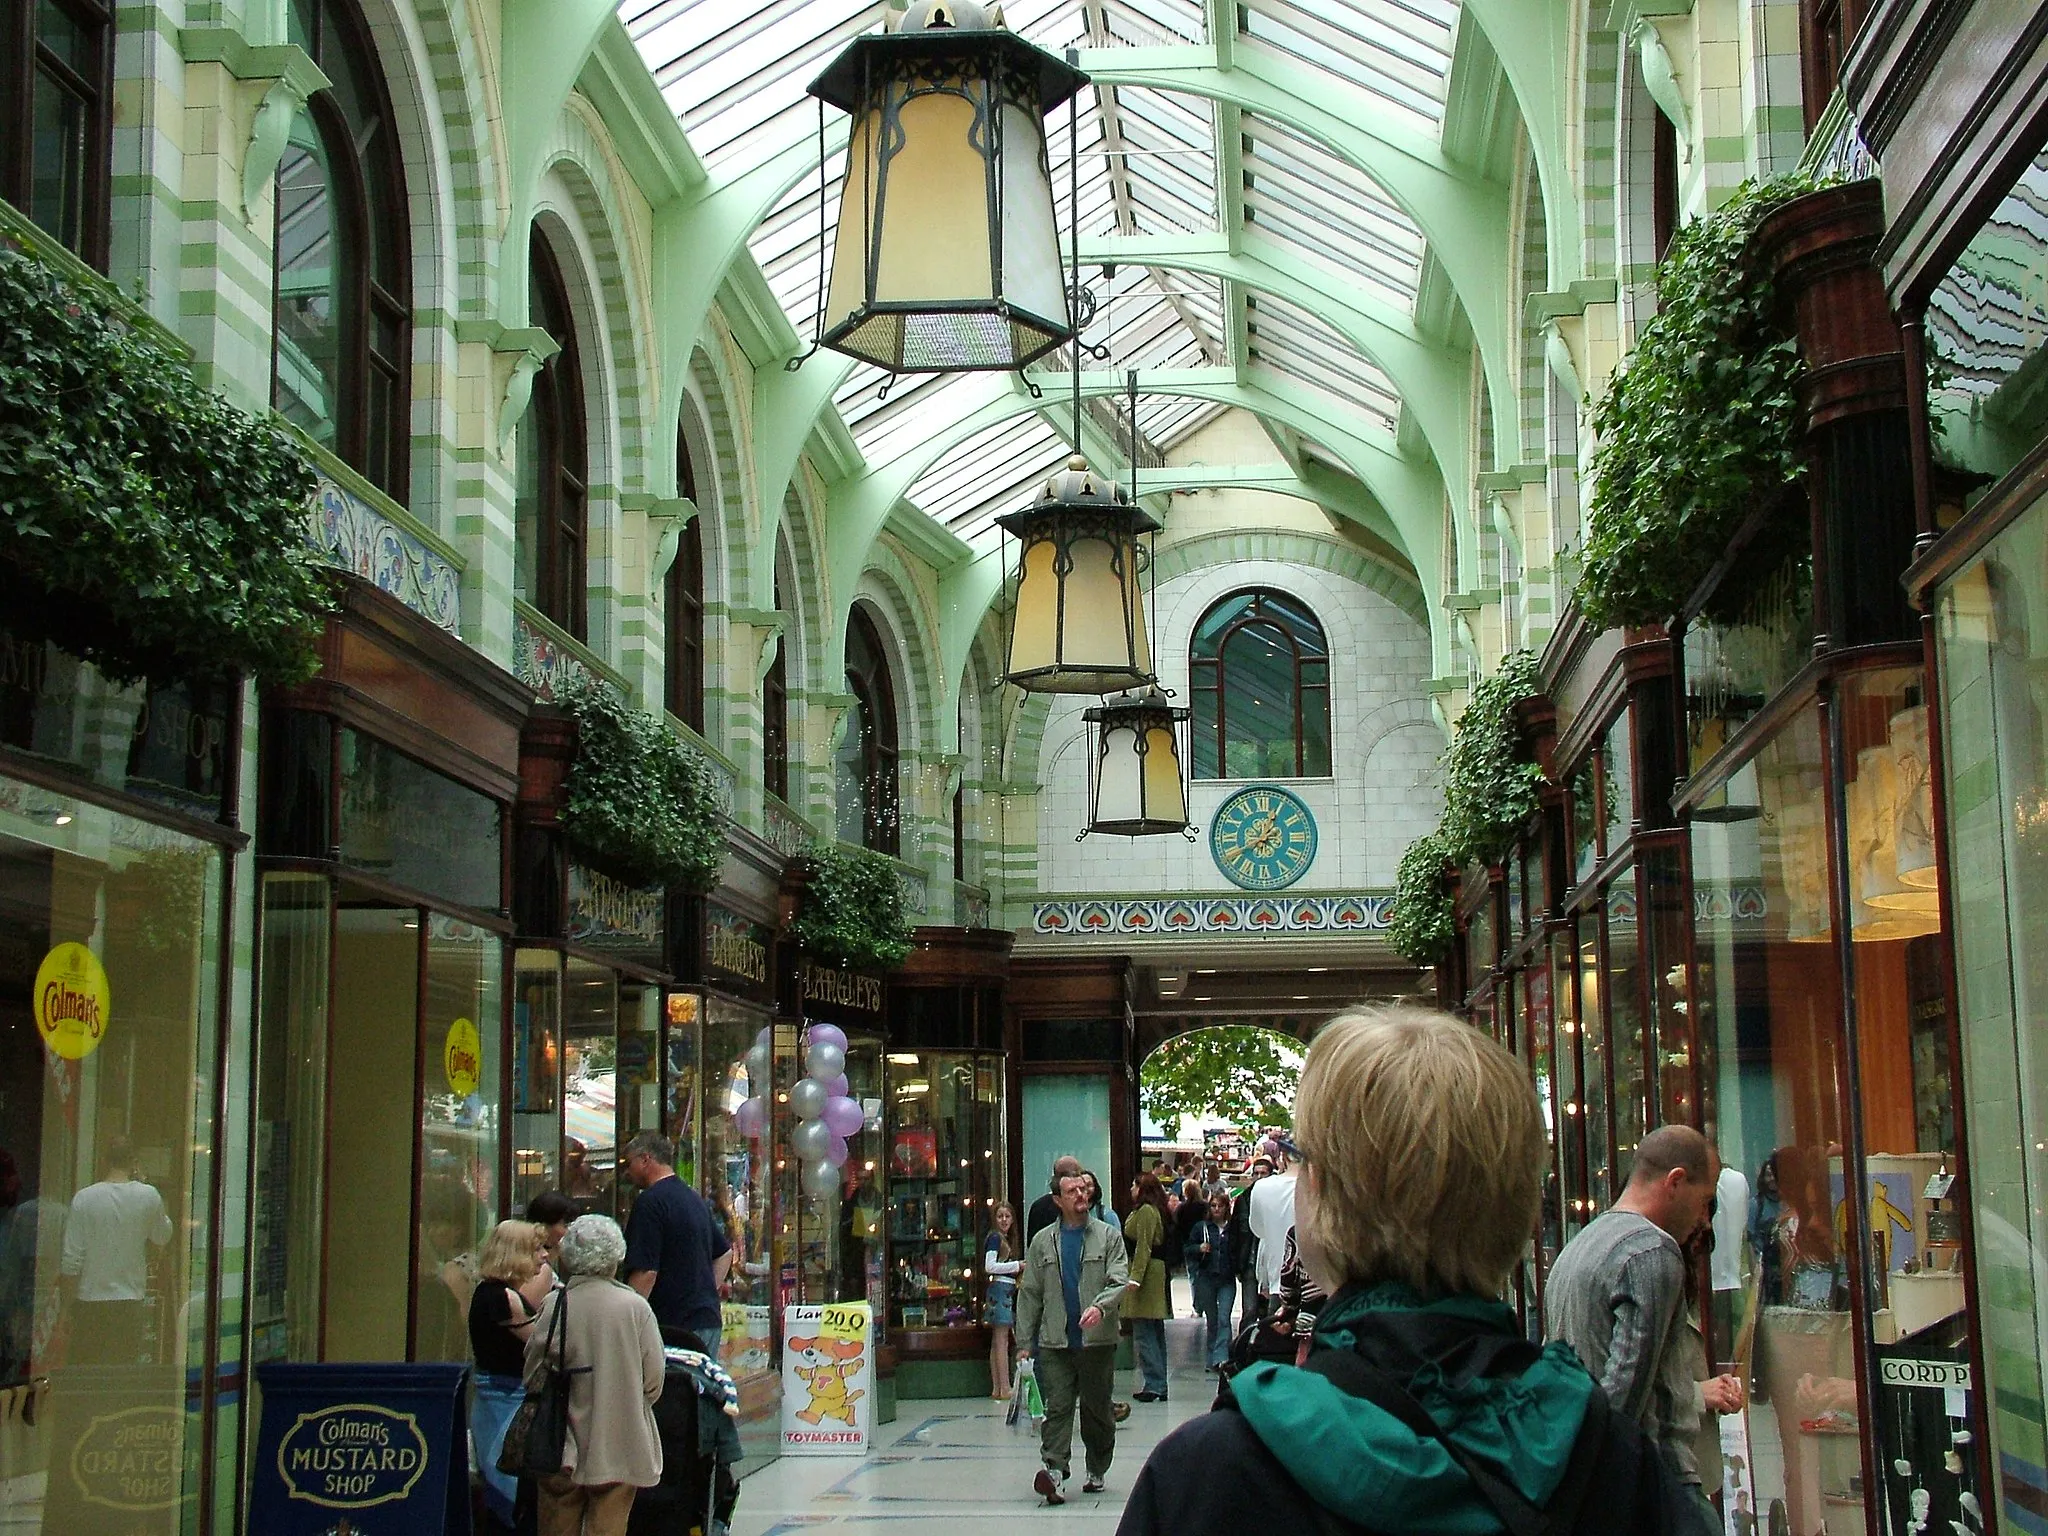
<point>1700,427</point>
<point>1422,924</point>
<point>639,802</point>
<point>1489,790</point>
<point>145,523</point>
<point>853,913</point>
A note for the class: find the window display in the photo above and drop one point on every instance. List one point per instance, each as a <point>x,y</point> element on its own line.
<point>843,1180</point>
<point>946,1164</point>
<point>739,1111</point>
<point>109,964</point>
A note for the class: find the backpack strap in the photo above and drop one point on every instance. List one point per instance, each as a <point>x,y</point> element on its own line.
<point>1361,1378</point>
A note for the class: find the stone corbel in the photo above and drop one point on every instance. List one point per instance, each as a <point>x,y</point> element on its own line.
<point>1660,76</point>
<point>280,78</point>
<point>517,354</point>
<point>667,517</point>
<point>1566,321</point>
<point>835,710</point>
<point>762,629</point>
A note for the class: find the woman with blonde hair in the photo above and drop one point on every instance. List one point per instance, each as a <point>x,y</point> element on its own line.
<point>500,1318</point>
<point>1421,1406</point>
<point>1002,1259</point>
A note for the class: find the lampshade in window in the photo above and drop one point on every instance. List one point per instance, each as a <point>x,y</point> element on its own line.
<point>1079,624</point>
<point>1882,906</point>
<point>1138,789</point>
<point>1914,809</point>
<point>947,256</point>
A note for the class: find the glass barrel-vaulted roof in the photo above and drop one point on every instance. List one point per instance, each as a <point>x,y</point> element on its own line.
<point>1151,165</point>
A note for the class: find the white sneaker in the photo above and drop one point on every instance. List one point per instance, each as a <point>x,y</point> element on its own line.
<point>1051,1485</point>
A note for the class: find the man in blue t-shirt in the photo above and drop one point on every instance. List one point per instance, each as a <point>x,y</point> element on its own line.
<point>1068,1298</point>
<point>671,1242</point>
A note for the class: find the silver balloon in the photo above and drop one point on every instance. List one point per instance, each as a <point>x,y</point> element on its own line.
<point>812,1140</point>
<point>759,1060</point>
<point>821,1179</point>
<point>825,1061</point>
<point>807,1098</point>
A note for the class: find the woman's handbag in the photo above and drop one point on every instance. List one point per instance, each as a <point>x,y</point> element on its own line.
<point>537,1439</point>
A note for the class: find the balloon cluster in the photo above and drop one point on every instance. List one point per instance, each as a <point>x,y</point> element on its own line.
<point>826,1116</point>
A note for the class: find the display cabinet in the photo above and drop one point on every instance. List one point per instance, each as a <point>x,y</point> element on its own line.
<point>945,1173</point>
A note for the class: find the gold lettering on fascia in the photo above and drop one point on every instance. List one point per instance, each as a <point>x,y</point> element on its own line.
<point>601,903</point>
<point>846,989</point>
<point>733,950</point>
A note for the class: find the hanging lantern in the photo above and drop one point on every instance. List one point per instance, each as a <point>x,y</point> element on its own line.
<point>1079,625</point>
<point>947,256</point>
<point>1136,787</point>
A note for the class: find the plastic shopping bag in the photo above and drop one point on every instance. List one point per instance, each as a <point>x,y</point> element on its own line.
<point>1034,1400</point>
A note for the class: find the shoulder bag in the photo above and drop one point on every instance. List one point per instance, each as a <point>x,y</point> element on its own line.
<point>537,1436</point>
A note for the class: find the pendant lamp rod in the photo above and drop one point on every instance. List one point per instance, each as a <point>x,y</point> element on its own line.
<point>1074,236</point>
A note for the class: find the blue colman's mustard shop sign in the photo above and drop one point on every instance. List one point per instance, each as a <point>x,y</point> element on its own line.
<point>362,1449</point>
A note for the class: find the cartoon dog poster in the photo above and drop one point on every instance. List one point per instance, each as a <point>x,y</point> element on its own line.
<point>827,1379</point>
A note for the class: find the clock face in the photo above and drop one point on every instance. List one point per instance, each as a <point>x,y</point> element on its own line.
<point>1263,838</point>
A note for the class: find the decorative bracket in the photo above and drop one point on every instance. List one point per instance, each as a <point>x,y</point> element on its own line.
<point>1557,352</point>
<point>281,77</point>
<point>767,625</point>
<point>517,354</point>
<point>1660,78</point>
<point>667,517</point>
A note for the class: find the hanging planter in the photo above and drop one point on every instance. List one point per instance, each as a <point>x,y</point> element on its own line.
<point>1699,432</point>
<point>638,802</point>
<point>852,914</point>
<point>1422,925</point>
<point>146,524</point>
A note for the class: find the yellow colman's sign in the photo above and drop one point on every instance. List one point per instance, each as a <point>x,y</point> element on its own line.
<point>462,1058</point>
<point>73,1006</point>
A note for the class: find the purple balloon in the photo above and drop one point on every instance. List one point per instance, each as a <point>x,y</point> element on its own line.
<point>828,1034</point>
<point>839,1088</point>
<point>750,1117</point>
<point>843,1117</point>
<point>835,1152</point>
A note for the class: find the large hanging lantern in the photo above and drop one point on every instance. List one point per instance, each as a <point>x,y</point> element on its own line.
<point>947,257</point>
<point>1136,787</point>
<point>1079,625</point>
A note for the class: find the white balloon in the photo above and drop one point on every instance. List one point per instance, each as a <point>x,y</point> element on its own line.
<point>812,1140</point>
<point>807,1098</point>
<point>759,1060</point>
<point>825,1062</point>
<point>821,1179</point>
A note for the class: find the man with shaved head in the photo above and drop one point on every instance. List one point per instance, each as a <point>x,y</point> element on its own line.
<point>1616,1293</point>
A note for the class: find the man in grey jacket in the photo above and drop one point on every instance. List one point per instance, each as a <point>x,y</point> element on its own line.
<point>1616,1293</point>
<point>1067,1299</point>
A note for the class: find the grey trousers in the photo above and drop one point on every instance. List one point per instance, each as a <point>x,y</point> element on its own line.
<point>1066,1376</point>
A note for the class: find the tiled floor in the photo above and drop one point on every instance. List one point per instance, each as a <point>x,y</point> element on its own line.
<point>946,1464</point>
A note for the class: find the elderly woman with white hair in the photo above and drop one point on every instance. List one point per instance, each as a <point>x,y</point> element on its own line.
<point>612,1350</point>
<point>1421,1406</point>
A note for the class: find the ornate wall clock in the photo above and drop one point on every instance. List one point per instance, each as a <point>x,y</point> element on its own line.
<point>1263,838</point>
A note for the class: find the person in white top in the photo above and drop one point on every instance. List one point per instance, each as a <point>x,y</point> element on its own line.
<point>105,1268</point>
<point>1271,1219</point>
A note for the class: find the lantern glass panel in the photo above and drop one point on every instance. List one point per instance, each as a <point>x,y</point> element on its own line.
<point>1141,641</point>
<point>1097,622</point>
<point>1034,633</point>
<point>848,290</point>
<point>1120,780</point>
<point>1165,799</point>
<point>1033,279</point>
<point>934,222</point>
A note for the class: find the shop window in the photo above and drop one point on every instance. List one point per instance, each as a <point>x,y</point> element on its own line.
<point>341,337</point>
<point>866,771</point>
<point>56,133</point>
<point>1617,785</point>
<point>1769,997</point>
<point>590,1144</point>
<point>462,1009</point>
<point>685,608</point>
<point>110,962</point>
<point>1629,1049</point>
<point>551,492</point>
<point>536,1074</point>
<point>1601,1187</point>
<point>1987,326</point>
<point>1995,759</point>
<point>737,1176</point>
<point>946,1162</point>
<point>1569,1175</point>
<point>842,1231</point>
<point>1259,668</point>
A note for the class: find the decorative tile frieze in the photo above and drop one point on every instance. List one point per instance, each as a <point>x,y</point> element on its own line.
<point>348,532</point>
<point>541,661</point>
<point>1177,916</point>
<point>788,832</point>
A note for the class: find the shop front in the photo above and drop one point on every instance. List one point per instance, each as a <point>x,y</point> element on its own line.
<point>117,836</point>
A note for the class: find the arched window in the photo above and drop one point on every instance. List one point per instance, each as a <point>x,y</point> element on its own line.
<point>341,338</point>
<point>56,131</point>
<point>552,490</point>
<point>685,607</point>
<point>1260,671</point>
<point>775,703</point>
<point>866,767</point>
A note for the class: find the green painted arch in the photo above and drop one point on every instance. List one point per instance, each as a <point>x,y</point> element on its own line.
<point>475,152</point>
<point>889,584</point>
<point>1399,587</point>
<point>705,397</point>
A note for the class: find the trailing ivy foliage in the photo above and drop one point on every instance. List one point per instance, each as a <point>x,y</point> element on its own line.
<point>1700,426</point>
<point>1422,924</point>
<point>1489,794</point>
<point>145,523</point>
<point>853,913</point>
<point>639,802</point>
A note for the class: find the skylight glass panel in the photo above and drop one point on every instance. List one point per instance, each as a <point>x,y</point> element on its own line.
<point>1295,343</point>
<point>1398,50</point>
<point>1330,212</point>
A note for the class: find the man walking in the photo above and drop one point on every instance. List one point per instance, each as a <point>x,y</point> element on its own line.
<point>1272,1218</point>
<point>1067,1298</point>
<point>672,1244</point>
<point>1616,1293</point>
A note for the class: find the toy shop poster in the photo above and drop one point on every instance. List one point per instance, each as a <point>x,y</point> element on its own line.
<point>828,1394</point>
